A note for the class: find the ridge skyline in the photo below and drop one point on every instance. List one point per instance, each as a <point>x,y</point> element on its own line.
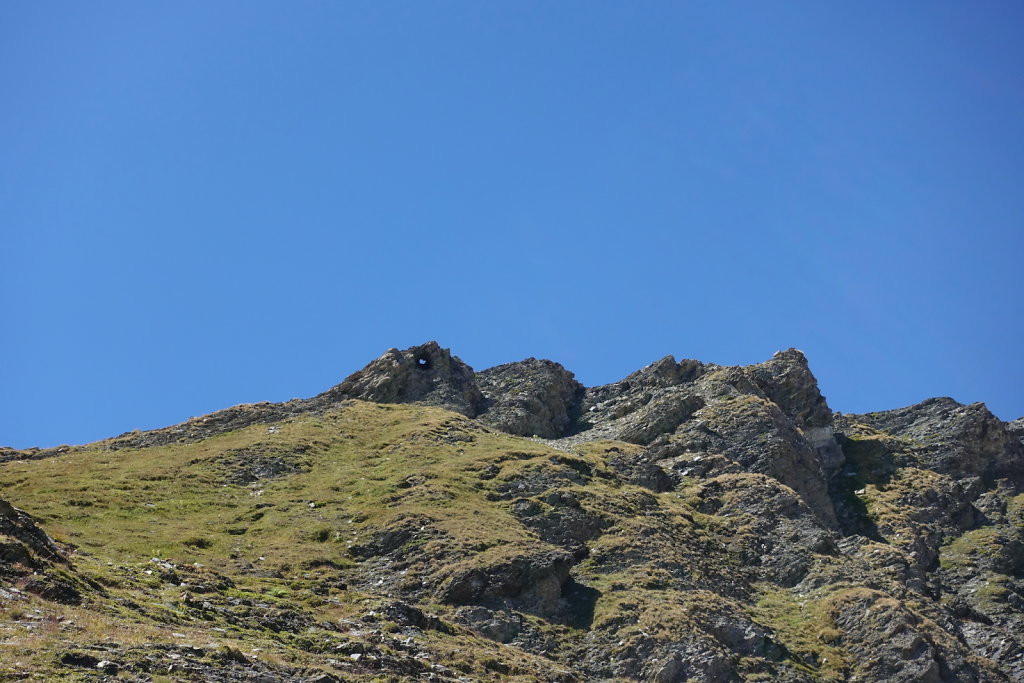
<point>447,350</point>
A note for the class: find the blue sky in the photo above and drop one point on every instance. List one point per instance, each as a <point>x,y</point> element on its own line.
<point>205,204</point>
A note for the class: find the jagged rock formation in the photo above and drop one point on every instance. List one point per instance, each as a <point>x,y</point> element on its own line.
<point>645,404</point>
<point>531,398</point>
<point>962,441</point>
<point>691,522</point>
<point>1016,428</point>
<point>424,374</point>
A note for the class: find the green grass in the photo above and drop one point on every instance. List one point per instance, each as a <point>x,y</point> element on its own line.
<point>367,469</point>
<point>172,502</point>
<point>968,548</point>
<point>377,501</point>
<point>804,625</point>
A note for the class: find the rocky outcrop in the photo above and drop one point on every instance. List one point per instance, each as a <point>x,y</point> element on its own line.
<point>1016,428</point>
<point>955,439</point>
<point>662,415</point>
<point>31,559</point>
<point>767,419</point>
<point>538,398</point>
<point>891,642</point>
<point>530,583</point>
<point>619,408</point>
<point>531,398</point>
<point>25,546</point>
<point>781,534</point>
<point>786,381</point>
<point>426,374</point>
<point>758,436</point>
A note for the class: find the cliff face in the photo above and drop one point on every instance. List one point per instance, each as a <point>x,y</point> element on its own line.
<point>689,522</point>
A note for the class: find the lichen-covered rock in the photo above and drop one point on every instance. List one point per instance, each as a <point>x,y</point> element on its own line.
<point>769,418</point>
<point>502,625</point>
<point>687,636</point>
<point>560,518</point>
<point>662,415</point>
<point>531,398</point>
<point>891,642</point>
<point>608,408</point>
<point>787,381</point>
<point>1016,427</point>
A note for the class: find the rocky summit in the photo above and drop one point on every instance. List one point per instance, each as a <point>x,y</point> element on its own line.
<point>424,521</point>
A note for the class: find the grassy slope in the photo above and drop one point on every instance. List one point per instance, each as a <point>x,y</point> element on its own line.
<point>293,547</point>
<point>360,468</point>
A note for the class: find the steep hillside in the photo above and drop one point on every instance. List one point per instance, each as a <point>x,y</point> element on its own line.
<point>424,521</point>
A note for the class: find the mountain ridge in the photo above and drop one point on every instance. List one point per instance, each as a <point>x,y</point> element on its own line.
<point>688,522</point>
<point>350,387</point>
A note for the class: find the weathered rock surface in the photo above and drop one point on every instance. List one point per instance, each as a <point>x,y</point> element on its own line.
<point>768,419</point>
<point>780,535</point>
<point>529,583</point>
<point>757,436</point>
<point>955,439</point>
<point>649,402</point>
<point>1016,428</point>
<point>30,558</point>
<point>890,642</point>
<point>786,380</point>
<point>425,374</point>
<point>531,398</point>
<point>24,545</point>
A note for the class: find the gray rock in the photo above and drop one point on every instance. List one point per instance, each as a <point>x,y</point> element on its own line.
<point>956,439</point>
<point>662,415</point>
<point>530,583</point>
<point>757,435</point>
<point>610,403</point>
<point>745,532</point>
<point>25,543</point>
<point>425,374</point>
<point>787,381</point>
<point>531,398</point>
<point>502,625</point>
<point>892,643</point>
<point>1016,427</point>
<point>29,555</point>
<point>781,534</point>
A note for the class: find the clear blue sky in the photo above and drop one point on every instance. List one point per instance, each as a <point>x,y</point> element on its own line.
<point>211,203</point>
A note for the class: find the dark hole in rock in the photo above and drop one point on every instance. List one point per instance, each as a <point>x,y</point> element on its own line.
<point>580,603</point>
<point>423,362</point>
